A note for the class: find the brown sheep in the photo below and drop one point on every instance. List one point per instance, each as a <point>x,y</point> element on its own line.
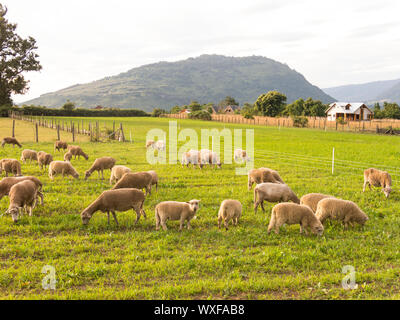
<point>263,175</point>
<point>100,165</point>
<point>173,210</point>
<point>117,172</point>
<point>28,154</point>
<point>10,140</point>
<point>62,167</point>
<point>22,195</point>
<point>273,192</point>
<point>229,210</point>
<point>154,180</point>
<point>44,159</point>
<point>312,200</point>
<point>138,180</point>
<point>7,183</point>
<point>116,200</point>
<point>10,166</point>
<point>378,178</point>
<point>77,151</point>
<point>292,213</point>
<point>58,145</point>
<point>68,156</point>
<point>343,210</point>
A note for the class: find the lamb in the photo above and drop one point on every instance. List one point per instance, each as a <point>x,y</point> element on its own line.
<point>7,183</point>
<point>44,159</point>
<point>22,195</point>
<point>193,157</point>
<point>173,210</point>
<point>58,145</point>
<point>117,172</point>
<point>28,154</point>
<point>159,145</point>
<point>154,180</point>
<point>312,200</point>
<point>116,200</point>
<point>241,156</point>
<point>62,167</point>
<point>263,175</point>
<point>138,180</point>
<point>10,166</point>
<point>229,210</point>
<point>77,151</point>
<point>149,143</point>
<point>273,192</point>
<point>378,178</point>
<point>10,140</point>
<point>343,210</point>
<point>68,156</point>
<point>100,165</point>
<point>209,157</point>
<point>292,213</point>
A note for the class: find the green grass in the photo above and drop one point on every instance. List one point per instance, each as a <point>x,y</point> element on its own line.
<point>136,262</point>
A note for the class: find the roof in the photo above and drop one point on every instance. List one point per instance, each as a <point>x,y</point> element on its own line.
<point>353,107</point>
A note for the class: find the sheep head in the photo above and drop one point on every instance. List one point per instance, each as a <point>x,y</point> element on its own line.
<point>387,191</point>
<point>194,205</point>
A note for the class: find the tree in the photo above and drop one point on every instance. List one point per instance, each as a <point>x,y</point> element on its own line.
<point>314,108</point>
<point>228,101</point>
<point>158,112</point>
<point>391,110</point>
<point>68,106</point>
<point>195,106</point>
<point>271,104</point>
<point>175,109</point>
<point>17,56</point>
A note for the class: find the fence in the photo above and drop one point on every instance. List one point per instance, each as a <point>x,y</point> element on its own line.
<point>375,125</point>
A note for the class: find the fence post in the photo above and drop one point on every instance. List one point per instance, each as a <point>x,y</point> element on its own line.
<point>13,129</point>
<point>122,137</point>
<point>36,132</point>
<point>97,132</point>
<point>73,131</point>
<point>333,160</point>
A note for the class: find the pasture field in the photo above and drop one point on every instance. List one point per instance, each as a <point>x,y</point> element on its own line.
<point>136,262</point>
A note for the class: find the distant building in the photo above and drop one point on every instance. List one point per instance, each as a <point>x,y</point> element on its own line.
<point>98,108</point>
<point>357,111</point>
<point>185,111</point>
<point>230,109</point>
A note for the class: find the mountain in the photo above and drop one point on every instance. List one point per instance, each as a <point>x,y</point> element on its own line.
<point>208,78</point>
<point>368,92</point>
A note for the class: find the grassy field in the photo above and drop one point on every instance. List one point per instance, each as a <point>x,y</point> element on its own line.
<point>136,262</point>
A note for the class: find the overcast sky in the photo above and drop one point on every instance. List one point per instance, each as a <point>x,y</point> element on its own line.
<point>330,42</point>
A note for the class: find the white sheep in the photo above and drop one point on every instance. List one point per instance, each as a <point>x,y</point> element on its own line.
<point>154,180</point>
<point>173,210</point>
<point>229,210</point>
<point>117,172</point>
<point>138,180</point>
<point>28,154</point>
<point>10,166</point>
<point>99,165</point>
<point>273,192</point>
<point>261,175</point>
<point>378,178</point>
<point>241,156</point>
<point>191,157</point>
<point>312,200</point>
<point>44,159</point>
<point>77,152</point>
<point>63,168</point>
<point>8,182</point>
<point>209,157</point>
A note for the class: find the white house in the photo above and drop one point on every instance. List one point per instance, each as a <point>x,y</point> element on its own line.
<point>348,111</point>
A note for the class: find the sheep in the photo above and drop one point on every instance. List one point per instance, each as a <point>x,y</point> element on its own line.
<point>261,175</point>
<point>209,157</point>
<point>159,145</point>
<point>229,210</point>
<point>117,172</point>
<point>77,151</point>
<point>241,156</point>
<point>62,167</point>
<point>10,140</point>
<point>149,143</point>
<point>10,166</point>
<point>342,210</point>
<point>378,178</point>
<point>58,145</point>
<point>138,180</point>
<point>292,213</point>
<point>312,200</point>
<point>116,200</point>
<point>193,157</point>
<point>68,156</point>
<point>100,165</point>
<point>273,192</point>
<point>28,154</point>
<point>44,159</point>
<point>7,183</point>
<point>173,210</point>
<point>22,195</point>
<point>154,180</point>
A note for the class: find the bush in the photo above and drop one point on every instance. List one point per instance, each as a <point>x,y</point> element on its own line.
<point>341,121</point>
<point>201,115</point>
<point>300,121</point>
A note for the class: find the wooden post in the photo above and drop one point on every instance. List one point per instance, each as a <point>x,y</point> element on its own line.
<point>122,137</point>
<point>73,131</point>
<point>113,135</point>
<point>58,132</point>
<point>97,131</point>
<point>13,129</point>
<point>36,132</point>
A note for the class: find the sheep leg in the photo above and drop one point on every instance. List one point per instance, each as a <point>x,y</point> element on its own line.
<point>365,184</point>
<point>108,217</point>
<point>30,211</point>
<point>256,206</point>
<point>102,175</point>
<point>219,222</point>
<point>115,217</point>
<point>181,224</point>
<point>262,206</point>
<point>137,214</point>
<point>226,223</point>
<point>164,225</point>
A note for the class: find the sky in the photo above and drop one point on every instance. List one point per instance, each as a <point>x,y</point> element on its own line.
<point>331,43</point>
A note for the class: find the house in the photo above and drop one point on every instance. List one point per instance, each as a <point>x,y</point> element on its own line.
<point>349,111</point>
<point>230,109</point>
<point>185,111</point>
<point>98,108</point>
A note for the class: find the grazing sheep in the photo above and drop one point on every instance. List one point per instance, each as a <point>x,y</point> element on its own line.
<point>10,166</point>
<point>62,167</point>
<point>7,183</point>
<point>154,180</point>
<point>77,151</point>
<point>342,210</point>
<point>68,156</point>
<point>22,195</point>
<point>149,143</point>
<point>116,200</point>
<point>229,210</point>
<point>173,210</point>
<point>138,180</point>
<point>292,213</point>
<point>159,145</point>
<point>378,178</point>
<point>241,156</point>
<point>44,159</point>
<point>209,157</point>
<point>261,175</point>
<point>100,165</point>
<point>273,192</point>
<point>312,200</point>
<point>28,154</point>
<point>193,157</point>
<point>10,140</point>
<point>117,172</point>
<point>58,145</point>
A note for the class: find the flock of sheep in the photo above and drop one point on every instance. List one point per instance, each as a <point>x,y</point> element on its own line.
<point>310,211</point>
